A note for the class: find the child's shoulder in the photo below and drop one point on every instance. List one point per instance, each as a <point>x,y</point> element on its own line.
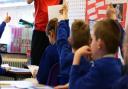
<point>51,48</point>
<point>107,62</point>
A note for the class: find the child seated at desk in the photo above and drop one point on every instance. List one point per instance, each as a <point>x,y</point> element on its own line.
<point>2,27</point>
<point>50,55</point>
<point>123,81</point>
<point>80,36</point>
<point>106,69</point>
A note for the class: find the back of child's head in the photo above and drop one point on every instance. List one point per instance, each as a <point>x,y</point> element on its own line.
<point>52,26</point>
<point>80,34</point>
<point>108,31</point>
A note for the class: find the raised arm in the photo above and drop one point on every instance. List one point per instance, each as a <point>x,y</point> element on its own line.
<point>3,24</point>
<point>29,1</point>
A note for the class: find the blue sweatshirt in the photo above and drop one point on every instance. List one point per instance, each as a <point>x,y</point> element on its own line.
<point>49,58</point>
<point>2,26</point>
<point>122,83</point>
<point>64,50</point>
<point>121,37</point>
<point>102,75</point>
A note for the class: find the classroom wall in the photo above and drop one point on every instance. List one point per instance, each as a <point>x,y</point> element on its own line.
<point>16,11</point>
<point>76,10</point>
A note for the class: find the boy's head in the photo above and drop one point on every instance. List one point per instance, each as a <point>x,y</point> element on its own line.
<point>51,30</point>
<point>106,38</point>
<point>80,34</point>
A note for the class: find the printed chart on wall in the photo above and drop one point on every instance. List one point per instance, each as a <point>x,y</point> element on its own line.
<point>121,9</point>
<point>96,9</point>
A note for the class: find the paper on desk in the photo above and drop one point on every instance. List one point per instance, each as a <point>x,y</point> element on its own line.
<point>16,69</point>
<point>44,87</point>
<point>22,84</point>
<point>6,66</point>
<point>33,69</point>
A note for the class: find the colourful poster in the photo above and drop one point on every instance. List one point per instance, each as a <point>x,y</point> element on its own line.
<point>96,9</point>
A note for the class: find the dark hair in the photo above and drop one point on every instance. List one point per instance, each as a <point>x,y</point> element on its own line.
<point>80,34</point>
<point>52,26</point>
<point>109,32</point>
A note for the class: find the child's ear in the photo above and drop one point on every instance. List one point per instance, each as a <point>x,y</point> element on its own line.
<point>100,44</point>
<point>70,40</point>
<point>51,34</point>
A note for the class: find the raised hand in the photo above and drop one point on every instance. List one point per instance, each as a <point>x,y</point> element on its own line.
<point>7,18</point>
<point>64,11</point>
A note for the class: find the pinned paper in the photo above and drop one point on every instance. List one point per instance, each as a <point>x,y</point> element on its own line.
<point>53,11</point>
<point>101,11</point>
<point>115,1</point>
<point>99,4</point>
<point>92,10</point>
<point>93,17</point>
<point>91,2</point>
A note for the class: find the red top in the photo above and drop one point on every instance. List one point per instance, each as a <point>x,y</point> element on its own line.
<point>41,12</point>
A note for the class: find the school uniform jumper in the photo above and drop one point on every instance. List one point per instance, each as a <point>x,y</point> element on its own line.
<point>122,83</point>
<point>65,53</point>
<point>64,50</point>
<point>102,74</point>
<point>49,58</point>
<point>2,26</point>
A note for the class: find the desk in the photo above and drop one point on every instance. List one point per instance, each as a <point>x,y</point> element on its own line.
<point>19,73</point>
<point>21,85</point>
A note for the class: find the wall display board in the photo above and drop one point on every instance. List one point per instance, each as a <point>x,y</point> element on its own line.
<point>121,9</point>
<point>21,39</point>
<point>96,9</point>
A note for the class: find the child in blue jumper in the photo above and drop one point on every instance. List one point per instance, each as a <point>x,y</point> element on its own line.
<point>111,14</point>
<point>122,83</point>
<point>80,36</point>
<point>50,55</point>
<point>2,27</point>
<point>106,69</point>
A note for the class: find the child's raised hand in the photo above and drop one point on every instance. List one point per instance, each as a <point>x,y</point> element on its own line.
<point>64,11</point>
<point>7,18</point>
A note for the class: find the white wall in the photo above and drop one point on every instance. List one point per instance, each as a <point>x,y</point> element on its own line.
<point>76,10</point>
<point>16,12</point>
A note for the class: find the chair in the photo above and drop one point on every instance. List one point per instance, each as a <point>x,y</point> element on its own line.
<point>53,75</point>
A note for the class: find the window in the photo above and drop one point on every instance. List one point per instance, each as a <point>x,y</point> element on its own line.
<point>11,1</point>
